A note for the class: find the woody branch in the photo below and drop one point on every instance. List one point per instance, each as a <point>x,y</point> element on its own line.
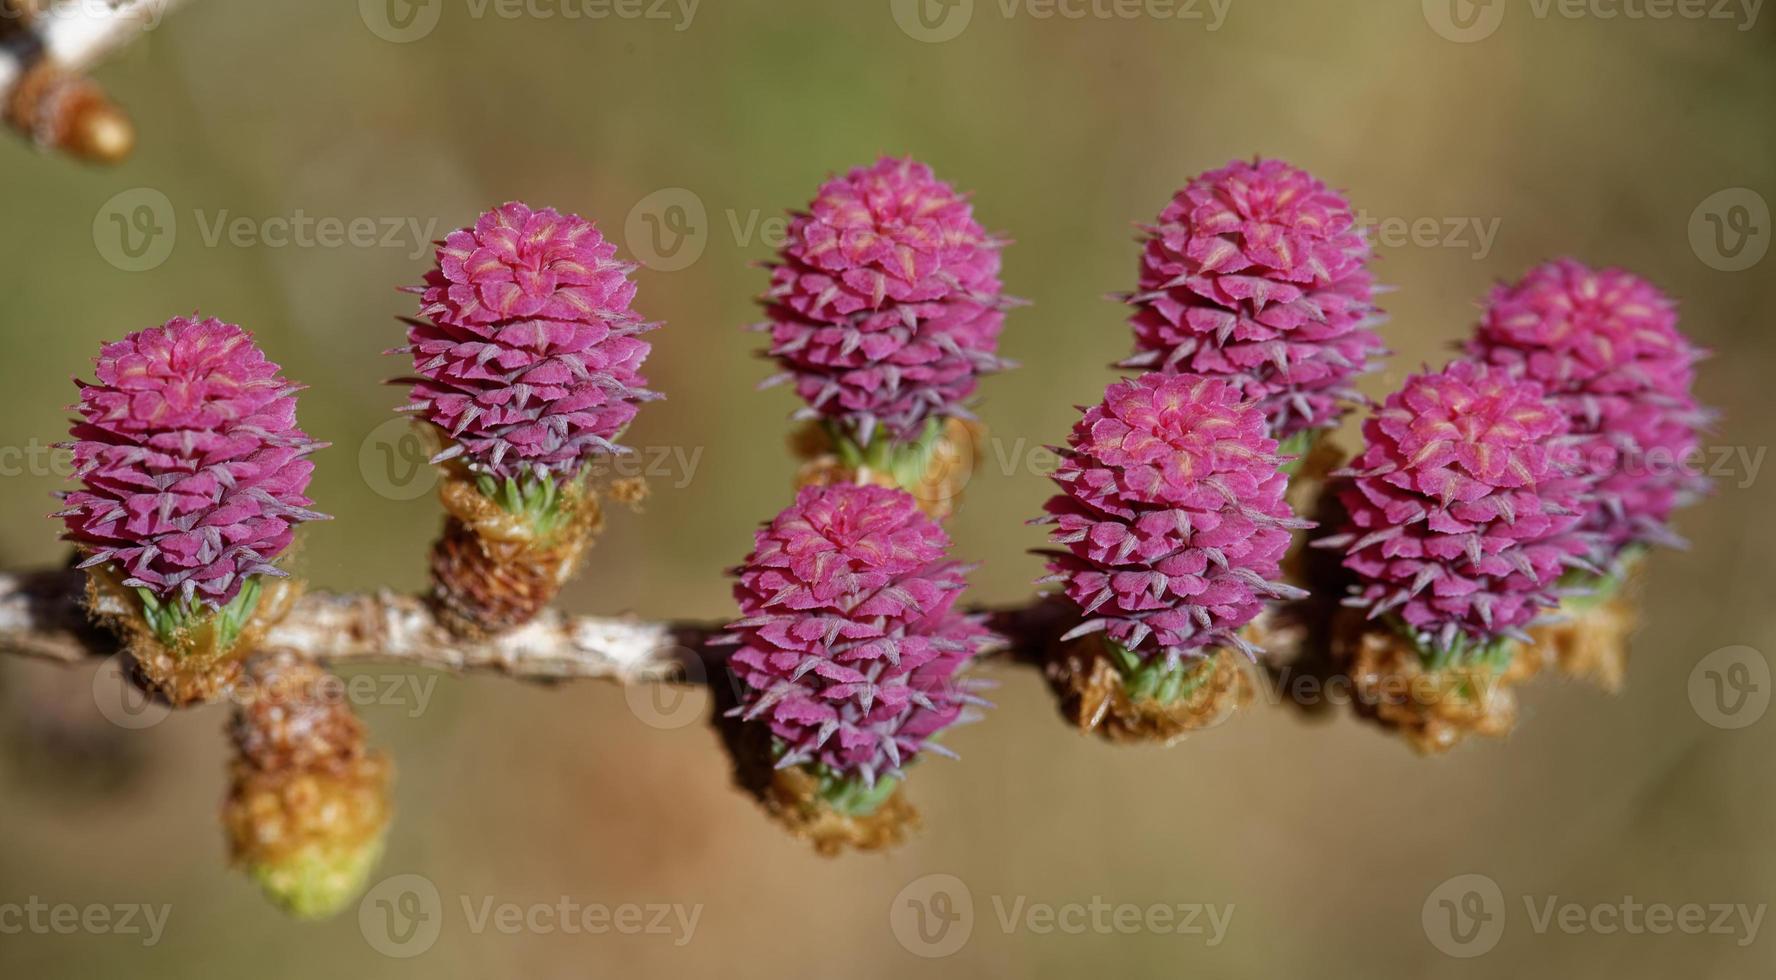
<point>44,616</point>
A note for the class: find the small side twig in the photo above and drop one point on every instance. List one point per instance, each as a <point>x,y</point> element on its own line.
<point>46,48</point>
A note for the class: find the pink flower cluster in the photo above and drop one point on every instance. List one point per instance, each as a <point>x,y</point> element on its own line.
<point>1605,346</point>
<point>193,468</point>
<point>1172,516</point>
<point>527,354</point>
<point>885,305</point>
<point>1257,273</point>
<point>849,641</point>
<point>1464,506</point>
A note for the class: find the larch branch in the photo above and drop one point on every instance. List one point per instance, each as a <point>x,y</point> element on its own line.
<point>43,615</point>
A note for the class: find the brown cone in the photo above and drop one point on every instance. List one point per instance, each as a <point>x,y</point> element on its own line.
<point>1094,700</point>
<point>489,571</point>
<point>1432,710</point>
<point>939,491</point>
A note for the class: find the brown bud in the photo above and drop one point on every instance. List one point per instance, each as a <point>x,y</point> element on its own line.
<point>491,572</point>
<point>198,666</point>
<point>1433,710</point>
<point>938,488</point>
<point>309,801</point>
<point>791,797</point>
<point>1094,699</point>
<point>65,111</point>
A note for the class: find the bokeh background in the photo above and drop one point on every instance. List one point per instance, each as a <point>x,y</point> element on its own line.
<point>1611,139</point>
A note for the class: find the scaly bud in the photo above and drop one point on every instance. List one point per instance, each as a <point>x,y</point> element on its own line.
<point>309,805</point>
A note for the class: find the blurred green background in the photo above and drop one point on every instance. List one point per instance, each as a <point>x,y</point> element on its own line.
<point>1605,138</point>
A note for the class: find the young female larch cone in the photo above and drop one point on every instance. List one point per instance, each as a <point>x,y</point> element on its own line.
<point>1173,527</point>
<point>849,656</point>
<point>194,474</point>
<point>884,310</point>
<point>1605,345</point>
<point>309,803</point>
<point>1463,513</point>
<point>1258,274</point>
<point>527,365</point>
